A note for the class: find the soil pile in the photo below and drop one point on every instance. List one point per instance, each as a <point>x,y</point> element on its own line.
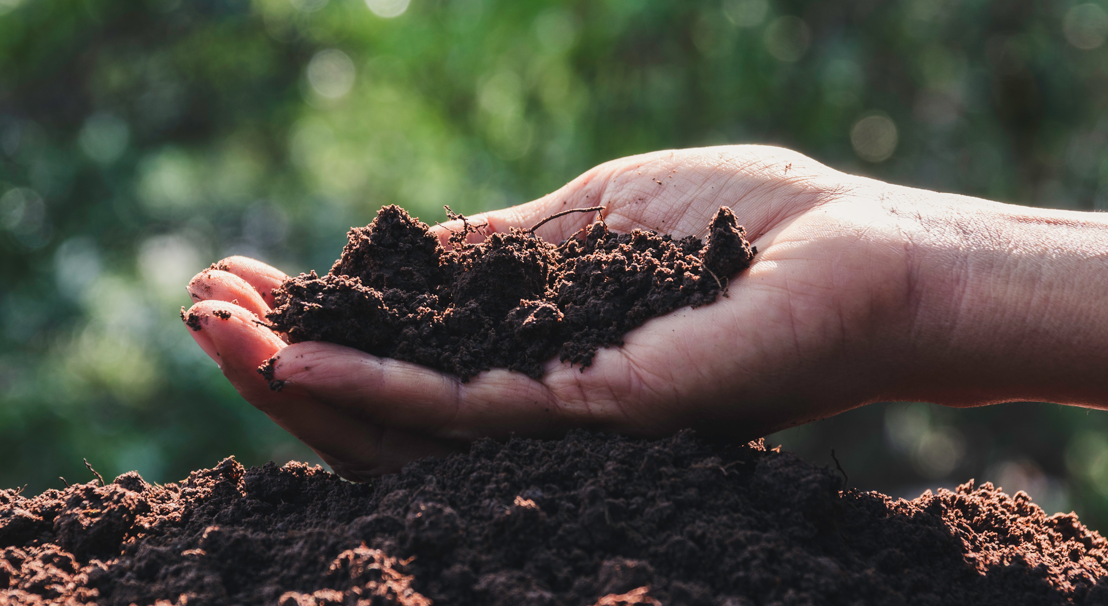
<point>512,301</point>
<point>587,520</point>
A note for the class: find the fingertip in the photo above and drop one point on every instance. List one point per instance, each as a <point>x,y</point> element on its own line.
<point>480,226</point>
<point>234,337</point>
<point>262,277</point>
<point>198,287</point>
<point>195,319</point>
<point>216,284</point>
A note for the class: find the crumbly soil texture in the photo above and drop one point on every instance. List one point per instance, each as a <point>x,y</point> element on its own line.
<point>589,520</point>
<point>510,301</point>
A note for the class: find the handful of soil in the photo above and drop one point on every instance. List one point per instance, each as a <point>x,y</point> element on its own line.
<point>512,301</point>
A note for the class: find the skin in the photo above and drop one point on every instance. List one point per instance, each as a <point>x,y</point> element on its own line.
<point>861,292</point>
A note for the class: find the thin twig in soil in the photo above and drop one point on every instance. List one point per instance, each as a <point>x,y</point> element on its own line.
<point>846,478</point>
<point>466,227</point>
<point>89,465</point>
<point>63,481</point>
<point>595,209</point>
<point>724,468</point>
<point>722,288</point>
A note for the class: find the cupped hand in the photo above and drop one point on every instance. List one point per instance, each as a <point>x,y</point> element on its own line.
<point>809,330</point>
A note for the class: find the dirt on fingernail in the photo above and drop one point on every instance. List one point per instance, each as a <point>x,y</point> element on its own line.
<point>267,369</point>
<point>191,319</point>
<point>512,300</point>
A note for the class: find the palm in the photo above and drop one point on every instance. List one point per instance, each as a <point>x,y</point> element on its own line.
<point>800,312</point>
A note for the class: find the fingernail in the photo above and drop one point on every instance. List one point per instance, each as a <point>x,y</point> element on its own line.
<point>194,289</point>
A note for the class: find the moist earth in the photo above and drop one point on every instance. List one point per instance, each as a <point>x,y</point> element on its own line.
<point>510,301</point>
<point>590,519</point>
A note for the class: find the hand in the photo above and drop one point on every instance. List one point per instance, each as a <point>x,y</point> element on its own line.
<point>794,340</point>
<point>848,301</point>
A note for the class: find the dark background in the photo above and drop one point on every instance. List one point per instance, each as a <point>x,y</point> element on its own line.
<point>141,140</point>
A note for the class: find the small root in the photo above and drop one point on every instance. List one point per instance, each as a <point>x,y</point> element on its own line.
<point>100,477</point>
<point>722,287</point>
<point>596,209</point>
<point>458,239</point>
<point>846,478</point>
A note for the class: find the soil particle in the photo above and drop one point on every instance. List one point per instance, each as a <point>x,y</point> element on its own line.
<point>191,319</point>
<point>267,369</point>
<point>589,519</point>
<point>512,301</point>
<point>222,314</point>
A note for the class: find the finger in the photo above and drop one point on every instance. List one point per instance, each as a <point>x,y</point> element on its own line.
<point>235,338</point>
<point>405,395</point>
<point>264,278</point>
<point>216,285</point>
<point>195,318</point>
<point>355,448</point>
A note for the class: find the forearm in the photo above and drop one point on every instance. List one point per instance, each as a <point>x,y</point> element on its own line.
<point>1006,303</point>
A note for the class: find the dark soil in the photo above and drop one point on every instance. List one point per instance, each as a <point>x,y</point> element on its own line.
<point>512,301</point>
<point>585,520</point>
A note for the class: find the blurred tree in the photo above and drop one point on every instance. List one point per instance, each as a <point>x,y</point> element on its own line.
<point>141,140</point>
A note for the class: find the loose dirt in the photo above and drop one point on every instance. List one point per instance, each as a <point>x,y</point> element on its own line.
<point>586,520</point>
<point>511,301</point>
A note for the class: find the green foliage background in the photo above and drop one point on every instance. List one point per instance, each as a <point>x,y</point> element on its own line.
<point>141,140</point>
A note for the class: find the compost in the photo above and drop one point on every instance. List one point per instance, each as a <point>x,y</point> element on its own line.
<point>510,301</point>
<point>587,520</point>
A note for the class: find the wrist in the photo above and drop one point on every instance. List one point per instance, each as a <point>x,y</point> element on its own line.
<point>1006,304</point>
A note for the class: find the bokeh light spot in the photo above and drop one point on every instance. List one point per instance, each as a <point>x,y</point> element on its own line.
<point>17,205</point>
<point>501,93</point>
<point>874,138</point>
<point>168,181</point>
<point>264,225</point>
<point>556,30</point>
<point>7,6</point>
<point>308,6</point>
<point>1085,26</point>
<point>388,8</point>
<point>745,13</point>
<point>331,73</point>
<point>23,213</point>
<point>104,137</point>
<point>939,452</point>
<point>76,266</point>
<point>166,262</point>
<point>787,38</point>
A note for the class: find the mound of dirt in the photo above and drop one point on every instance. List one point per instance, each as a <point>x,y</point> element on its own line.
<point>587,520</point>
<point>512,301</point>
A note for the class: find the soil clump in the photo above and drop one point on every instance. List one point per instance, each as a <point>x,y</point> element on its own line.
<point>511,301</point>
<point>587,520</point>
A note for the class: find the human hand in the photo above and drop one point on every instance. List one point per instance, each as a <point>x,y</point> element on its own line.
<point>791,342</point>
<point>827,318</point>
